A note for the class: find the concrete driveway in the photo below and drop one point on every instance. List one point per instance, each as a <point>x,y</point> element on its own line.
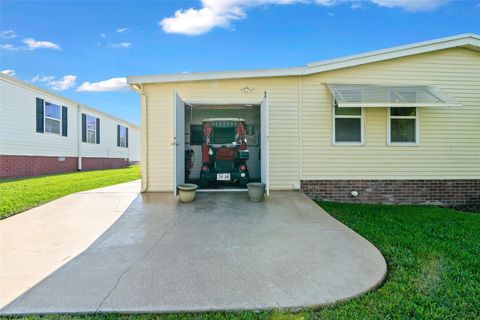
<point>221,252</point>
<point>37,242</point>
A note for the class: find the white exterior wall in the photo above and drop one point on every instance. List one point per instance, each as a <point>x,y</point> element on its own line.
<point>134,144</point>
<point>18,134</point>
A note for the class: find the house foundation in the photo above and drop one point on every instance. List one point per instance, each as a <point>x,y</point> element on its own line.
<point>445,192</point>
<point>12,166</point>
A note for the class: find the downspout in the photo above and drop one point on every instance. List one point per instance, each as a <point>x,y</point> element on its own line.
<point>298,186</point>
<point>79,139</point>
<point>143,135</point>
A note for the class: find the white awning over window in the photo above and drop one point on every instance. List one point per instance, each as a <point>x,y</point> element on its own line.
<point>368,95</point>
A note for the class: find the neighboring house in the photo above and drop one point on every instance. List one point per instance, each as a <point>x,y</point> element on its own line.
<point>400,125</point>
<point>45,133</point>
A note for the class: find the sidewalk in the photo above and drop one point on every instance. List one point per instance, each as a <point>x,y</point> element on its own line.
<point>35,243</point>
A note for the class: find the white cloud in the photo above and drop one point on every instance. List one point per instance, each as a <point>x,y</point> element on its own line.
<point>29,44</point>
<point>214,13</point>
<point>33,44</point>
<point>42,78</point>
<point>197,21</point>
<point>356,5</point>
<point>121,45</point>
<point>103,35</point>
<point>9,47</point>
<point>8,72</point>
<point>7,34</point>
<point>122,30</point>
<point>411,5</point>
<point>64,83</point>
<point>113,84</point>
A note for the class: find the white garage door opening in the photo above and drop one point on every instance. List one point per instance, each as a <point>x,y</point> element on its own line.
<point>220,146</point>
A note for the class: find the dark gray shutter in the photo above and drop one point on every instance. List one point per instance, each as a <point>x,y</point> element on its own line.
<point>64,121</point>
<point>118,135</point>
<point>40,115</point>
<point>84,127</point>
<point>126,129</point>
<point>98,131</point>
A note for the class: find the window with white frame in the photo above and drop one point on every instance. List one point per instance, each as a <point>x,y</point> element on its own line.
<point>91,123</point>
<point>123,136</point>
<point>347,125</point>
<point>403,125</point>
<point>53,118</point>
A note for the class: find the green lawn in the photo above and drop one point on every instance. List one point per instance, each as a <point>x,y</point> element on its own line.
<point>433,257</point>
<point>18,195</point>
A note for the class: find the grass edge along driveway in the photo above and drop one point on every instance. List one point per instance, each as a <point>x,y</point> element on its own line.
<point>17,195</point>
<point>433,257</point>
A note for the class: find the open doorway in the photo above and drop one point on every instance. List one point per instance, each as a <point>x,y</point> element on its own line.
<point>222,145</point>
<point>246,124</point>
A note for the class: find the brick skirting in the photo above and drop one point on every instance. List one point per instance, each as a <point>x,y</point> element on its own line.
<point>103,163</point>
<point>461,192</point>
<point>25,166</point>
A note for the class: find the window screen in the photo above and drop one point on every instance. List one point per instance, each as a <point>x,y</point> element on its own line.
<point>347,124</point>
<point>403,125</point>
<point>53,118</point>
<point>91,129</point>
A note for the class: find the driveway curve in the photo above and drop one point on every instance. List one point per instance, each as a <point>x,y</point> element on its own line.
<point>221,252</point>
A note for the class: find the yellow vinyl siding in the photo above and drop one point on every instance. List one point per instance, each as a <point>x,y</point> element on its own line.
<point>300,122</point>
<point>283,122</point>
<point>449,144</point>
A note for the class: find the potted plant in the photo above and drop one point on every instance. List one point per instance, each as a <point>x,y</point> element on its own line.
<point>256,191</point>
<point>187,192</point>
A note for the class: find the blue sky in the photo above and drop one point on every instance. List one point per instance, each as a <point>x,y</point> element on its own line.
<point>84,49</point>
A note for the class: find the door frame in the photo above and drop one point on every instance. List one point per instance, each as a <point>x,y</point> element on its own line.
<point>264,142</point>
<point>178,143</point>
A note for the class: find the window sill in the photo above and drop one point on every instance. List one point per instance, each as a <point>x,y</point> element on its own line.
<point>52,133</point>
<point>402,144</point>
<point>348,144</point>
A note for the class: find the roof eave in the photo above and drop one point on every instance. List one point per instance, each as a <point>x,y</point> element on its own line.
<point>472,42</point>
<point>469,40</point>
<point>65,99</point>
<point>217,75</point>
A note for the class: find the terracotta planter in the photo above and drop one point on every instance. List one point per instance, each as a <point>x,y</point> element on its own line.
<point>187,192</point>
<point>256,191</point>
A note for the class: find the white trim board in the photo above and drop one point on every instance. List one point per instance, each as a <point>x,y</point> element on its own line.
<point>468,40</point>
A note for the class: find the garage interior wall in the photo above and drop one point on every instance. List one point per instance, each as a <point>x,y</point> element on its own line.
<point>196,114</point>
<point>300,122</point>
